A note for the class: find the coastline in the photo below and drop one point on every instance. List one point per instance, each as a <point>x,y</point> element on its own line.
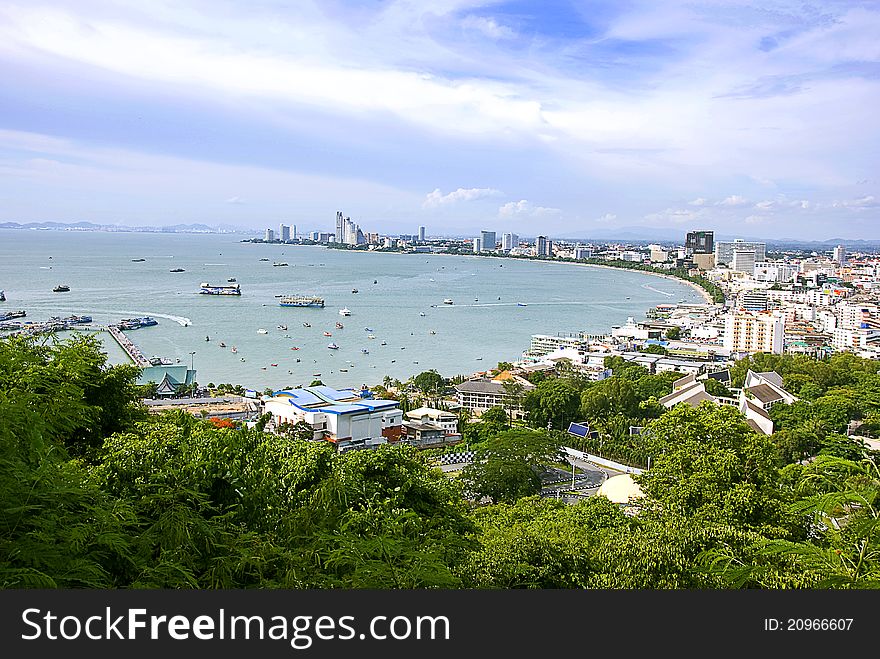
<point>702,291</point>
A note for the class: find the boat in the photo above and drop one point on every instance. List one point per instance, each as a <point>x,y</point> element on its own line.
<point>523,304</point>
<point>301,301</point>
<point>339,325</point>
<point>221,344</point>
<point>61,288</point>
<point>447,301</point>
<point>421,313</point>
<point>278,265</point>
<point>365,351</point>
<point>375,281</point>
<point>316,375</point>
<point>368,329</point>
<point>371,336</point>
<point>231,280</point>
<point>137,260</point>
<point>9,315</point>
<point>327,334</point>
<point>177,270</point>
<point>262,331</point>
<point>354,290</point>
<point>161,361</point>
<point>433,332</point>
<point>234,349</point>
<point>333,346</point>
<point>207,289</point>
<point>283,328</point>
<point>207,338</point>
<point>384,343</point>
<point>264,259</point>
<point>2,296</point>
<point>294,348</point>
<point>273,364</point>
<point>343,370</point>
<point>344,312</point>
<point>431,279</point>
<point>307,324</point>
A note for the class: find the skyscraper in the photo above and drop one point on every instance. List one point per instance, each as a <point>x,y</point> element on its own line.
<point>542,246</point>
<point>270,236</point>
<point>478,245</point>
<point>284,232</point>
<point>700,242</point>
<point>487,240</point>
<point>421,234</point>
<point>724,250</point>
<point>340,230</point>
<point>840,255</point>
<point>509,241</point>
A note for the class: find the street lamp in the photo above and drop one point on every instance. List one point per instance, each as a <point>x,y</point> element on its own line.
<point>192,367</point>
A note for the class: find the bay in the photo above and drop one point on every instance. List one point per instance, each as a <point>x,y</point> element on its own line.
<point>485,325</point>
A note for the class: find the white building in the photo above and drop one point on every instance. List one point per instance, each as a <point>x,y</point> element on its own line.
<point>509,241</point>
<point>583,253</point>
<point>544,344</point>
<point>421,234</point>
<point>658,254</point>
<point>724,250</point>
<point>284,232</point>
<point>775,271</point>
<point>744,261</point>
<point>270,236</point>
<point>543,246</point>
<point>840,255</point>
<point>342,418</point>
<point>478,245</point>
<point>754,331</point>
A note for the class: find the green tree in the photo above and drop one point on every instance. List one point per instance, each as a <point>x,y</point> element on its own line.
<point>673,333</point>
<point>553,402</point>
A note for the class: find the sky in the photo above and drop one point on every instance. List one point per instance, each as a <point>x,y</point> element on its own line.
<point>564,118</point>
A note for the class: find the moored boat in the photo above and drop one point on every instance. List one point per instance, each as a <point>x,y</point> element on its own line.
<point>301,301</point>
<point>344,312</point>
<point>208,289</point>
<point>61,288</point>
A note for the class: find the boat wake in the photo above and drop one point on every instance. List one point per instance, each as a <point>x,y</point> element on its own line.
<point>180,320</point>
<point>651,288</point>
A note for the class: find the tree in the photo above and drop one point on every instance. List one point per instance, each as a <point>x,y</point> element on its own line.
<point>673,333</point>
<point>507,467</point>
<point>553,402</point>
<point>429,383</point>
<point>513,392</point>
<point>717,388</point>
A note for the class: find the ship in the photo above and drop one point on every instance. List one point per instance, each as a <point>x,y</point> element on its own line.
<point>301,301</point>
<point>354,290</point>
<point>232,289</point>
<point>279,264</point>
<point>177,270</point>
<point>61,288</point>
<point>344,312</point>
<point>9,315</point>
<point>447,301</point>
<point>333,346</point>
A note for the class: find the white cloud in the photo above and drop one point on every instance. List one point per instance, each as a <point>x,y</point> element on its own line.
<point>676,215</point>
<point>755,219</point>
<point>235,200</point>
<point>733,200</point>
<point>868,201</point>
<point>437,198</point>
<point>524,208</point>
<point>488,26</point>
<point>608,217</point>
<point>699,201</point>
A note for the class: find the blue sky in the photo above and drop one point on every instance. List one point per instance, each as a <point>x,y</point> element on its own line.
<point>558,117</point>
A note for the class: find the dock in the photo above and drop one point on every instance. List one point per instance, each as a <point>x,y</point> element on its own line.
<point>130,348</point>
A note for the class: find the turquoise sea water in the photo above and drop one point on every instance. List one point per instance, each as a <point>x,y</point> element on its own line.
<point>474,334</point>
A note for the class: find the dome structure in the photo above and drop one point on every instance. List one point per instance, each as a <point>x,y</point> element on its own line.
<point>621,489</point>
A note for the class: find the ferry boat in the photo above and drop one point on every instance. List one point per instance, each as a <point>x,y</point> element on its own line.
<point>447,301</point>
<point>160,361</point>
<point>135,323</point>
<point>207,289</point>
<point>61,288</point>
<point>301,301</point>
<point>333,346</point>
<point>344,312</point>
<point>9,315</point>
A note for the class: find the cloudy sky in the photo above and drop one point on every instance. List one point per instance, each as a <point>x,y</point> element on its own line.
<point>572,118</point>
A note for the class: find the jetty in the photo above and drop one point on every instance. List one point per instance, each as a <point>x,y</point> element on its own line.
<point>130,348</point>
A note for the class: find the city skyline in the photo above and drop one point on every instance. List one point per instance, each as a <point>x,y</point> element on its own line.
<point>582,118</point>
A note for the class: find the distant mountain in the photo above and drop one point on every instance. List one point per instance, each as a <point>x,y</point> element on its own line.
<point>91,226</point>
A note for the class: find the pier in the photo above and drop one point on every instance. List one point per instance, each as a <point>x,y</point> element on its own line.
<point>130,348</point>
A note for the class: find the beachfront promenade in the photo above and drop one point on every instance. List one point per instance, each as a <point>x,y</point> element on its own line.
<point>130,348</point>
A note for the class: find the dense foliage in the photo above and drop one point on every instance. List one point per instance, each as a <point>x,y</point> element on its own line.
<point>95,493</point>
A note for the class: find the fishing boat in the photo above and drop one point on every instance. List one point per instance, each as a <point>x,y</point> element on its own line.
<point>262,331</point>
<point>447,301</point>
<point>344,312</point>
<point>307,324</point>
<point>61,288</point>
<point>333,346</point>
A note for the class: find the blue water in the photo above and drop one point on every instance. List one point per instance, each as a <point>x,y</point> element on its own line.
<point>474,334</point>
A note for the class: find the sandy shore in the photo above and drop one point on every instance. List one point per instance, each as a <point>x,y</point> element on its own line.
<point>702,291</point>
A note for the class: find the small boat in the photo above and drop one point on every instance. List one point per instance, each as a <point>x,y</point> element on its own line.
<point>479,359</point>
<point>368,329</point>
<point>339,325</point>
<point>283,328</point>
<point>393,360</point>
<point>262,331</point>
<point>354,290</point>
<point>316,375</point>
<point>421,313</point>
<point>264,259</point>
<point>431,279</point>
<point>61,288</point>
<point>273,364</point>
<point>375,281</point>
<point>278,265</point>
<point>383,343</point>
<point>138,260</point>
<point>327,334</point>
<point>523,304</point>
<point>371,336</point>
<point>234,349</point>
<point>403,347</point>
<point>221,344</point>
<point>447,301</point>
<point>333,346</point>
<point>294,347</point>
<point>343,370</point>
<point>231,280</point>
<point>177,270</point>
<point>365,351</point>
<point>242,359</point>
<point>344,312</point>
<point>433,332</point>
<point>207,338</point>
<point>307,325</point>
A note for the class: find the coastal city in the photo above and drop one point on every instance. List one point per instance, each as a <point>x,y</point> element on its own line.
<point>451,298</point>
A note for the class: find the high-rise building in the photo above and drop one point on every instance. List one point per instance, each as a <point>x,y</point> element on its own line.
<point>293,232</point>
<point>724,250</point>
<point>583,253</point>
<point>421,234</point>
<point>270,236</point>
<point>744,261</point>
<point>509,241</point>
<point>754,331</point>
<point>284,232</point>
<point>542,246</point>
<point>478,245</point>
<point>658,254</point>
<point>754,301</point>
<point>340,227</point>
<point>840,255</point>
<point>700,242</point>
<point>487,240</point>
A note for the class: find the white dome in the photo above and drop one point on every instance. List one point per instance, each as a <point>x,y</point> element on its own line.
<point>621,489</point>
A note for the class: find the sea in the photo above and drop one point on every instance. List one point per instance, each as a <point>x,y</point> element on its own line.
<point>498,304</point>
